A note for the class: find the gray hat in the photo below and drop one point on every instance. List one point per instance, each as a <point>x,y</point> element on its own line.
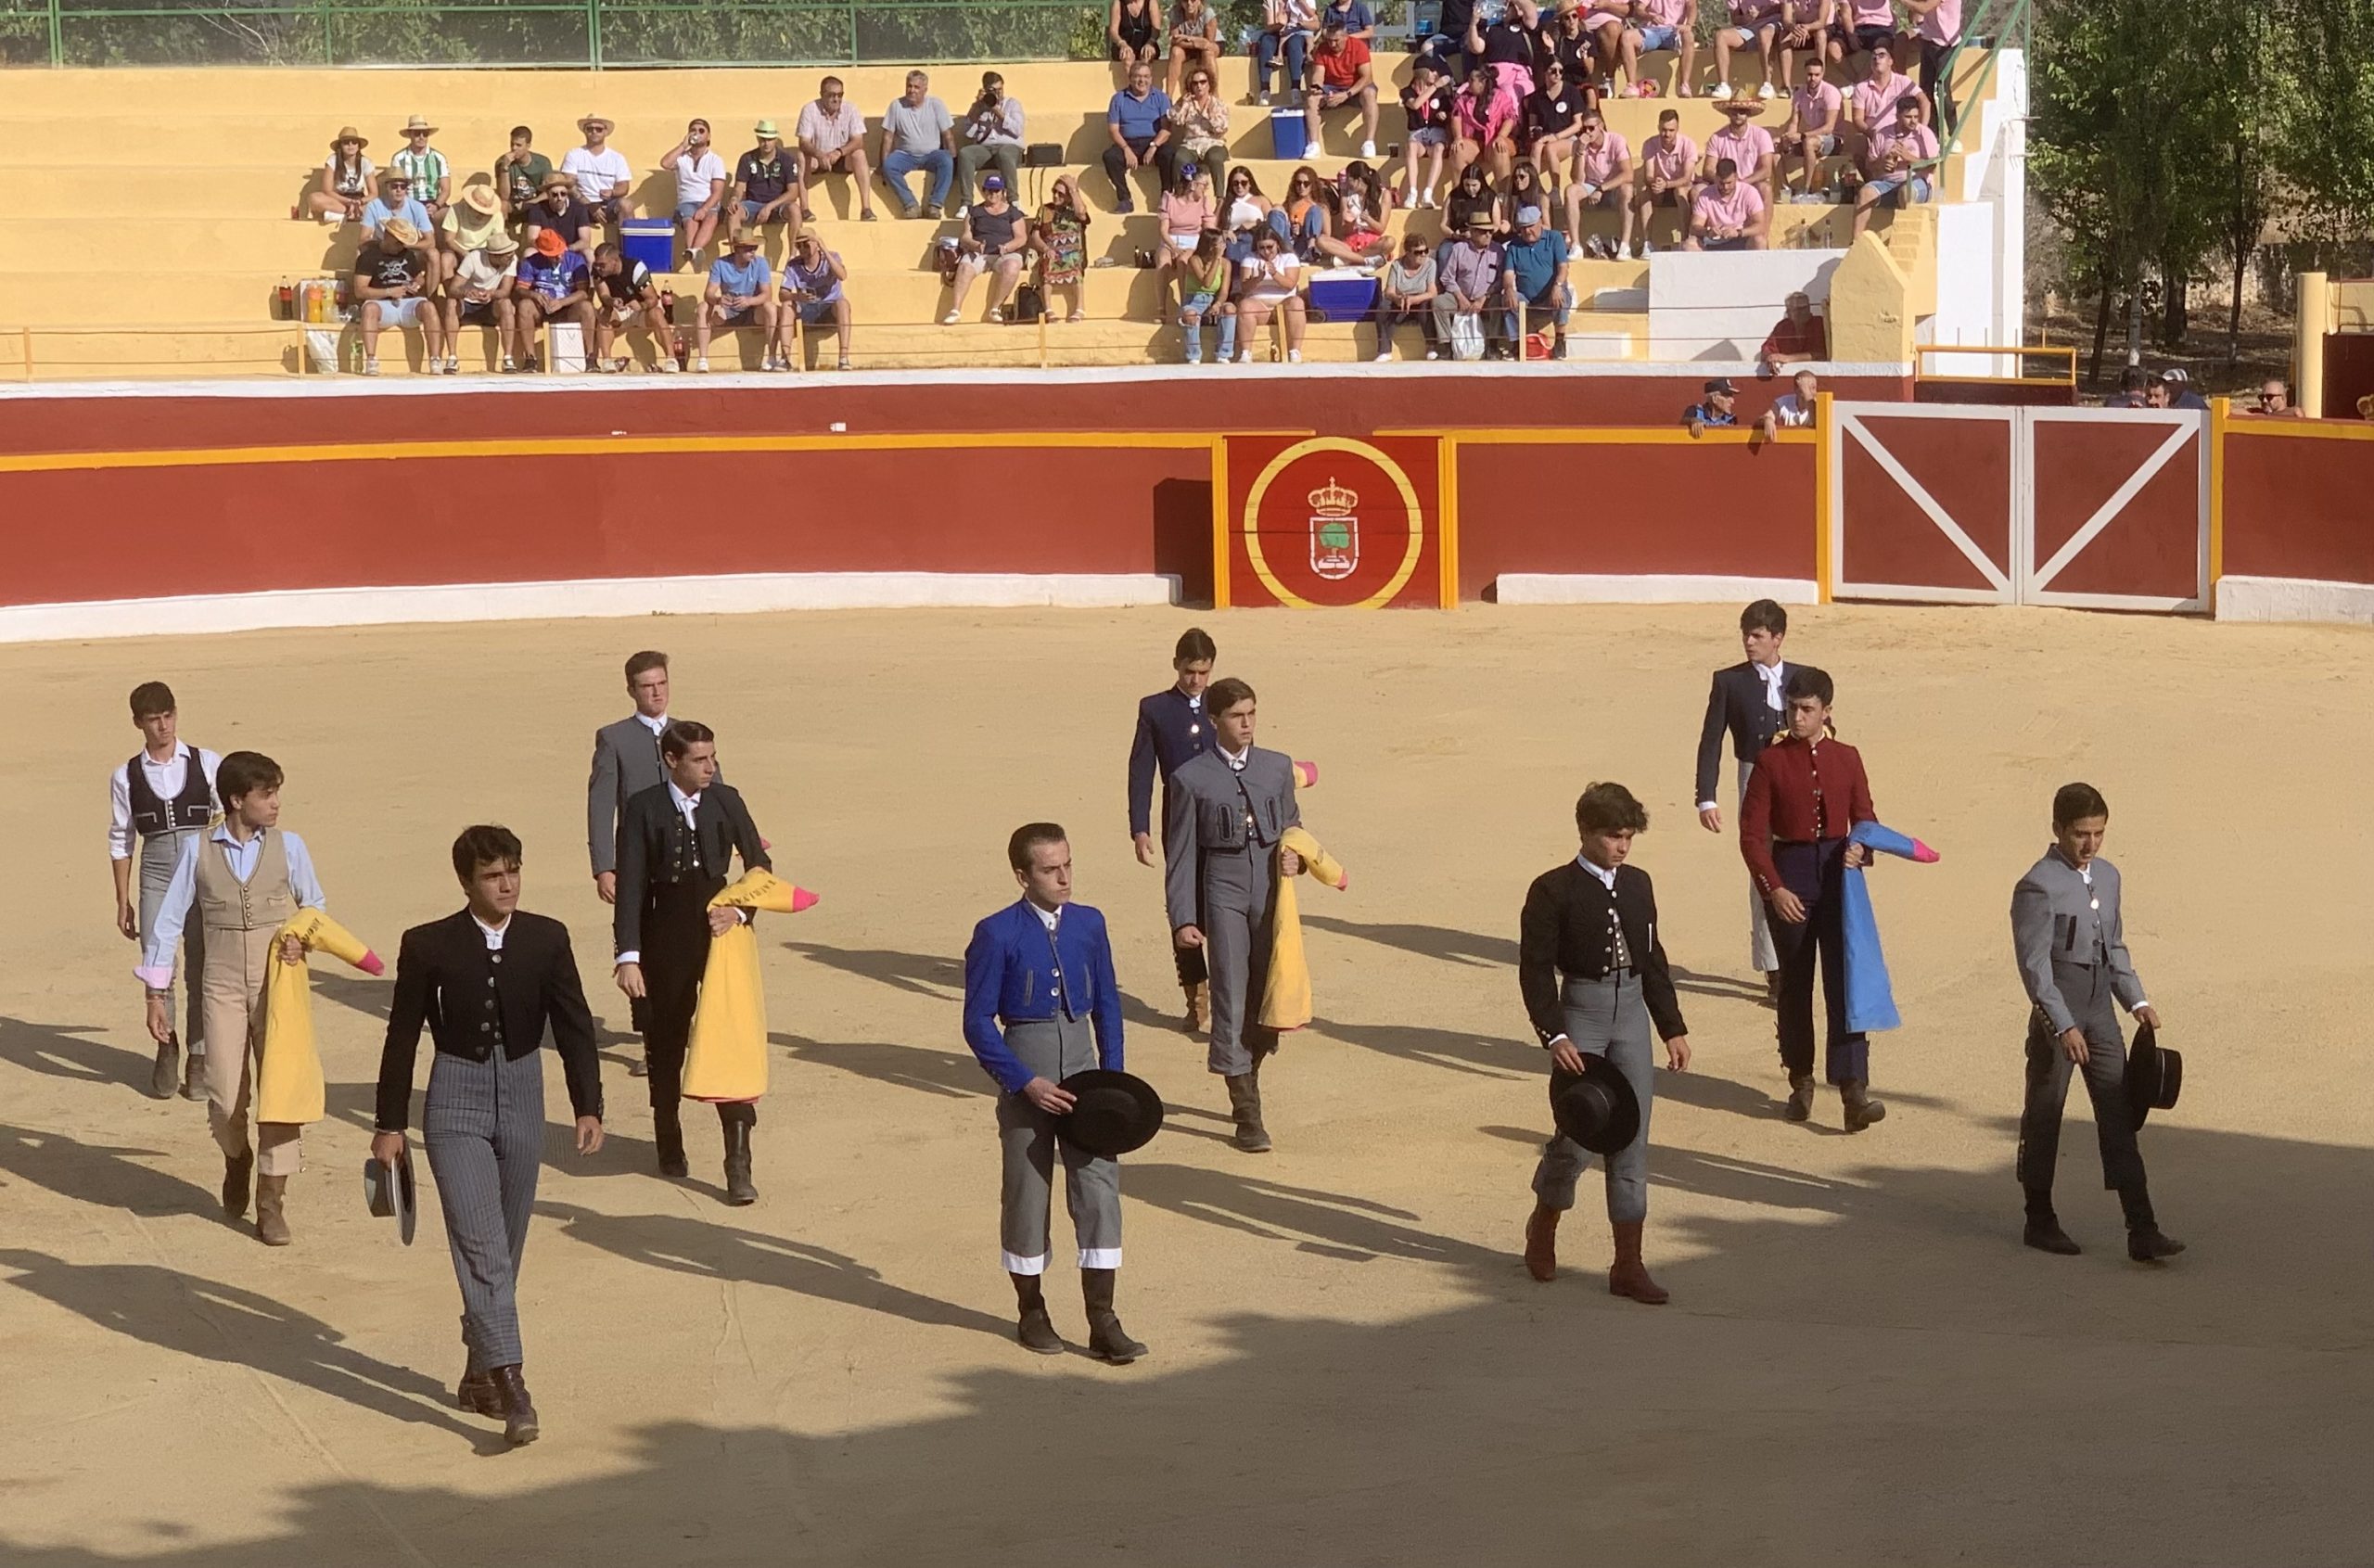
<point>1528,215</point>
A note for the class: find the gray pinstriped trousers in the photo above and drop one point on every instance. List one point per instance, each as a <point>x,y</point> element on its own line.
<point>483,1123</point>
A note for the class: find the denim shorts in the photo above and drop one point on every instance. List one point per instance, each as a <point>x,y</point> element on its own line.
<point>750,214</point>
<point>1886,186</point>
<point>686,210</point>
<point>812,312</point>
<point>1661,38</point>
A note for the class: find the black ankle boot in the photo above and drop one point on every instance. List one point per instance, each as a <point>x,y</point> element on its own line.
<point>1106,1339</point>
<point>2144,1241</point>
<point>667,1132</point>
<point>2044,1231</point>
<point>519,1424</point>
<point>739,1189</point>
<point>1036,1329</point>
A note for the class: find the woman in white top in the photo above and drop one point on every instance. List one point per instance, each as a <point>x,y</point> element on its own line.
<point>700,186</point>
<point>1269,279</point>
<point>347,179</point>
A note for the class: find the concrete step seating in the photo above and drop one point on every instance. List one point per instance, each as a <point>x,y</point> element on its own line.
<point>199,171</point>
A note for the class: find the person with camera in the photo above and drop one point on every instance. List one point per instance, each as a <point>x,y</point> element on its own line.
<point>993,136</point>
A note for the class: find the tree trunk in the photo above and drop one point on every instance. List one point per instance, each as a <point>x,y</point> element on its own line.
<point>2101,335</point>
<point>2234,314</point>
<point>2174,317</point>
<point>2135,321</point>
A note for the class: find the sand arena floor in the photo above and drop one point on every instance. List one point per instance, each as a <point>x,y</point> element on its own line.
<point>1861,1365</point>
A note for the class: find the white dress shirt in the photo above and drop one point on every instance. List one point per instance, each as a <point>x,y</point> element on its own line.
<point>1770,675</point>
<point>1235,759</point>
<point>156,970</point>
<point>1606,874</point>
<point>494,934</point>
<point>1046,917</point>
<point>167,778</point>
<point>648,722</point>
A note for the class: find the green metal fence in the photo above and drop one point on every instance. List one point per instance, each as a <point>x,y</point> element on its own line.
<point>585,34</point>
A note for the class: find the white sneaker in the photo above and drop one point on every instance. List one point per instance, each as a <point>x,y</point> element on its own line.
<point>1293,356</point>
<point>963,213</point>
<point>1721,92</point>
<point>1434,354</point>
<point>1383,356</point>
<point>508,367</point>
<point>453,364</point>
<point>667,365</point>
<point>1426,197</point>
<point>370,367</point>
<point>701,363</point>
<point>1768,91</point>
<point>1368,149</point>
<point>948,320</point>
<point>1243,357</point>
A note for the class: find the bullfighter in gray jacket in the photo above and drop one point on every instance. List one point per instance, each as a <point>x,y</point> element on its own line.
<point>1224,812</point>
<point>2072,947</point>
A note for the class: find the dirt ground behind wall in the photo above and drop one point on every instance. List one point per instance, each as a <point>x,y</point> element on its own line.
<point>1860,1363</point>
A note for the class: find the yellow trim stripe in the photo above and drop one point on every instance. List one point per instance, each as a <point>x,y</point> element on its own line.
<point>1644,435</point>
<point>1221,533</point>
<point>1447,519</point>
<point>2220,427</point>
<point>2313,429</point>
<point>1823,480</point>
<point>606,446</point>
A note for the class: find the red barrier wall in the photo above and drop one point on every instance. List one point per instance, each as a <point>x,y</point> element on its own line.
<point>2299,505</point>
<point>1628,508</point>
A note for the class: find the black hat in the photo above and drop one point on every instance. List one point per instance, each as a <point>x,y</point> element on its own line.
<point>1112,1113</point>
<point>1721,384</point>
<point>391,1194</point>
<point>1598,1110</point>
<point>2154,1076</point>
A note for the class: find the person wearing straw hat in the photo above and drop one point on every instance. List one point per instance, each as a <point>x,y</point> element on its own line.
<point>2070,939</point>
<point>740,292</point>
<point>767,188</point>
<point>557,209</point>
<point>675,842</point>
<point>348,179</point>
<point>1041,1005</point>
<point>1749,148</point>
<point>474,217</point>
<point>489,982</point>
<point>479,293</point>
<point>1594,975</point>
<point>395,200</point>
<point>393,277</point>
<point>432,177</point>
<point>600,170</point>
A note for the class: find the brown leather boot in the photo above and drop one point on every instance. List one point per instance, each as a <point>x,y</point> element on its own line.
<point>1860,1108</point>
<point>237,1170</point>
<point>1629,1277</point>
<point>1245,1104</point>
<point>1199,1009</point>
<point>478,1395</point>
<point>519,1424</point>
<point>1541,1243</point>
<point>271,1214</point>
<point>1035,1329</point>
<point>1801,1098</point>
<point>166,1074</point>
<point>194,1076</point>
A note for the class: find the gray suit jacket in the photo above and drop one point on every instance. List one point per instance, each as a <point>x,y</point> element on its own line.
<point>1205,809</point>
<point>626,762</point>
<point>2056,918</point>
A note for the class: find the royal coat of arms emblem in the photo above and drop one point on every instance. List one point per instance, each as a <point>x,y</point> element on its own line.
<point>1334,531</point>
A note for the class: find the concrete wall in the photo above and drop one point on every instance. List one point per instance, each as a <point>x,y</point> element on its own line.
<point>1719,306</point>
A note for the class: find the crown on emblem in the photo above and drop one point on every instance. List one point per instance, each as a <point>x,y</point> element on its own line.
<point>1333,499</point>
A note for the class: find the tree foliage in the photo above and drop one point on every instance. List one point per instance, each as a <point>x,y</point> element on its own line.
<point>2163,136</point>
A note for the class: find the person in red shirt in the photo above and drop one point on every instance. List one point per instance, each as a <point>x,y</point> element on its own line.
<point>1800,336</point>
<point>1341,73</point>
<point>1806,796</point>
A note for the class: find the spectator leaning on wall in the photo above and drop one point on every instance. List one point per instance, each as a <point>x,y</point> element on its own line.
<point>1716,411</point>
<point>1792,409</point>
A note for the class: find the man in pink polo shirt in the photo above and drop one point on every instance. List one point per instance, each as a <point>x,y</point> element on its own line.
<point>1727,215</point>
<point>1815,110</point>
<point>1804,29</point>
<point>1936,27</point>
<point>1870,108</point>
<point>1651,25</point>
<point>1862,26</point>
<point>1667,171</point>
<point>1753,27</point>
<point>1898,163</point>
<point>1749,148</point>
<point>1602,178</point>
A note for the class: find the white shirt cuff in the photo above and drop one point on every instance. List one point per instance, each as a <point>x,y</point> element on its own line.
<point>1708,806</point>
<point>626,957</point>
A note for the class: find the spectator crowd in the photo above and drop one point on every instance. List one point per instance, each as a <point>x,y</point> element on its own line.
<point>1505,136</point>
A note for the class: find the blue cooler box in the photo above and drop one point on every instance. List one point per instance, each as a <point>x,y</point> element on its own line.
<point>651,241</point>
<point>1289,138</point>
<point>1342,294</point>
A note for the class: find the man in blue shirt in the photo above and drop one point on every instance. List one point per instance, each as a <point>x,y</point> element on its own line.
<point>1717,411</point>
<point>394,201</point>
<point>1041,1003</point>
<point>554,283</point>
<point>1173,729</point>
<point>741,291</point>
<point>1533,277</point>
<point>1138,123</point>
<point>1353,16</point>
